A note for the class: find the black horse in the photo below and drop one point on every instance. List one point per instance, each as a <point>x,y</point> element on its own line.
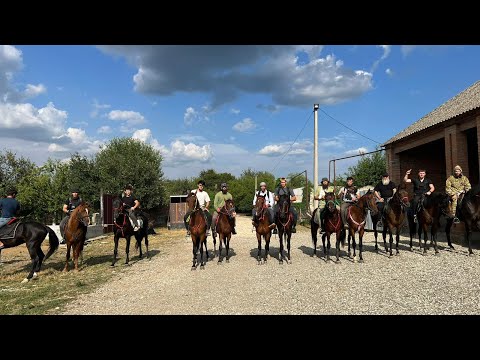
<point>469,214</point>
<point>123,229</point>
<point>31,233</point>
<point>284,220</point>
<point>434,206</point>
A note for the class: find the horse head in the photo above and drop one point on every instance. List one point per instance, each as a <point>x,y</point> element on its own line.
<point>229,207</point>
<point>444,203</point>
<point>369,202</point>
<point>117,208</point>
<point>330,202</point>
<point>284,206</point>
<point>259,205</point>
<point>192,201</point>
<point>80,214</point>
<point>402,196</point>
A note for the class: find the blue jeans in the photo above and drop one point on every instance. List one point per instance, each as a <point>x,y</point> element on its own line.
<point>3,221</point>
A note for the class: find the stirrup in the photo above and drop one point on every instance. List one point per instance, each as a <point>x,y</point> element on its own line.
<point>380,223</point>
<point>275,231</point>
<point>415,219</point>
<point>188,232</point>
<point>456,220</point>
<point>294,230</point>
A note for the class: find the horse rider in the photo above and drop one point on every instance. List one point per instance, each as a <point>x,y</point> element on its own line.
<point>322,190</point>
<point>384,191</point>
<point>349,195</point>
<point>421,187</point>
<point>131,204</point>
<point>204,201</point>
<point>70,204</point>
<point>268,202</point>
<point>456,185</point>
<point>283,189</point>
<point>218,203</point>
<point>9,207</point>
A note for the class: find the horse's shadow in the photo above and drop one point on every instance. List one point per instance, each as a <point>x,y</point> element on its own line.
<point>273,251</point>
<point>231,253</point>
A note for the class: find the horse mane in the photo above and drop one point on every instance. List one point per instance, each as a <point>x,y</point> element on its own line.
<point>435,198</point>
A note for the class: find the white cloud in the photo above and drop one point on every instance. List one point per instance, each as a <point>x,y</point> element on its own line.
<point>235,111</point>
<point>56,148</point>
<point>189,116</point>
<point>104,130</point>
<point>407,49</point>
<point>360,150</point>
<point>97,107</point>
<point>389,72</point>
<point>245,125</point>
<point>386,51</point>
<point>144,135</point>
<point>227,71</point>
<point>130,117</point>
<point>299,148</point>
<point>34,90</point>
<point>270,108</point>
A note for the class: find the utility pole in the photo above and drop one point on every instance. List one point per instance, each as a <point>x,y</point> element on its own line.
<point>255,182</point>
<point>315,153</point>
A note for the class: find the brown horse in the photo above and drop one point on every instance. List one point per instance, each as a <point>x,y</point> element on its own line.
<point>284,221</point>
<point>75,233</point>
<point>333,225</point>
<point>432,208</point>
<point>224,228</point>
<point>198,229</point>
<point>263,227</point>
<point>356,216</point>
<point>395,213</point>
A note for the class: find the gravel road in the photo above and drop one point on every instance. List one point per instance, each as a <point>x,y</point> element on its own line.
<point>406,284</point>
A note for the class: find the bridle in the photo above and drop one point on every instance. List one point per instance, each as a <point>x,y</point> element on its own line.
<point>260,215</point>
<point>228,212</point>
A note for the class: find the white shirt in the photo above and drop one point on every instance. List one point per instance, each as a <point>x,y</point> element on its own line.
<point>268,199</point>
<point>202,197</point>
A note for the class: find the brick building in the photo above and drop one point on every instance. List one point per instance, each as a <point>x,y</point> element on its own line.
<point>447,136</point>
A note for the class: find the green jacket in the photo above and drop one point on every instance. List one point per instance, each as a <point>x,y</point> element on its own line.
<point>455,185</point>
<point>220,198</point>
<point>321,193</point>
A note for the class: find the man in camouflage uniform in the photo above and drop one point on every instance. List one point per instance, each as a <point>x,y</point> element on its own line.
<point>456,184</point>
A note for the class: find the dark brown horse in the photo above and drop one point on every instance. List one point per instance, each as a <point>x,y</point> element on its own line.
<point>75,233</point>
<point>434,206</point>
<point>394,215</point>
<point>356,216</point>
<point>124,229</point>
<point>284,221</point>
<point>198,229</point>
<point>333,225</point>
<point>469,214</point>
<point>263,228</point>
<point>31,233</point>
<point>224,228</point>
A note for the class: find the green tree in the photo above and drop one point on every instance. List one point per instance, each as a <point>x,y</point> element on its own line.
<point>128,161</point>
<point>12,170</point>
<point>213,179</point>
<point>295,181</point>
<point>178,187</point>
<point>369,169</point>
<point>243,188</point>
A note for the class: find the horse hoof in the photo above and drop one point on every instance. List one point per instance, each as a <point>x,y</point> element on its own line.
<point>202,267</point>
<point>219,262</point>
<point>451,247</point>
<point>437,253</point>
<point>361,261</point>
<point>24,281</point>
<point>397,254</point>
<point>193,267</point>
<point>470,254</point>
<point>424,253</point>
<point>411,248</point>
<point>227,261</point>
<point>113,264</point>
<point>337,261</point>
<point>281,262</point>
<point>354,259</point>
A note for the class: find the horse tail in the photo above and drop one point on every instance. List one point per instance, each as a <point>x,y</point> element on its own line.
<point>53,241</point>
<point>343,235</point>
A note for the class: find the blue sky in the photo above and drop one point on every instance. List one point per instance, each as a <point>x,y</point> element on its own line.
<point>223,107</point>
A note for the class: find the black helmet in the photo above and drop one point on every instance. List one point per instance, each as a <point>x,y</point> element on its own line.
<point>12,191</point>
<point>128,187</point>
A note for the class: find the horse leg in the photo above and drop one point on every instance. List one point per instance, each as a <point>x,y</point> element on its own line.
<point>139,245</point>
<point>280,254</point>
<point>337,246</point>
<point>354,244</point>
<point>390,254</point>
<point>215,244</point>
<point>448,227</point>
<point>349,239</point>
<point>146,243</point>
<point>76,254</point>
<point>127,251</point>
<point>202,263</point>
<point>384,235</point>
<point>314,231</point>
<point>259,254</point>
<point>467,238</point>
<point>115,249</point>
<point>267,245</point>
<point>206,250</point>
<point>328,245</point>
<point>411,228</point>
<point>289,236</point>
<point>34,256</point>
<point>425,238</point>
<point>227,245</point>
<point>375,232</point>
<point>194,244</point>
<point>433,234</point>
<point>398,239</point>
<point>323,242</point>
<point>220,238</point>
<point>69,245</point>
<point>360,243</point>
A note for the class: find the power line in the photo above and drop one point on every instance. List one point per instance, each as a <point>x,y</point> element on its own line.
<point>349,128</point>
<point>290,148</point>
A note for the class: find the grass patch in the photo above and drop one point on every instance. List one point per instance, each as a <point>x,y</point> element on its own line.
<point>52,291</point>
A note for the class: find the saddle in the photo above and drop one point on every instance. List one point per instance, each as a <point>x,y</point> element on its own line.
<point>9,230</point>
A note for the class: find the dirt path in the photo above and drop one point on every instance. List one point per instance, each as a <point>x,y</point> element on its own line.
<point>405,284</point>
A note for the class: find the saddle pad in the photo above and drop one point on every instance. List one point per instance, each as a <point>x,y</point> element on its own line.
<point>8,231</point>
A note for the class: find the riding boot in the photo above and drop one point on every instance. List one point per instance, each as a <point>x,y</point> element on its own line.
<point>233,231</point>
